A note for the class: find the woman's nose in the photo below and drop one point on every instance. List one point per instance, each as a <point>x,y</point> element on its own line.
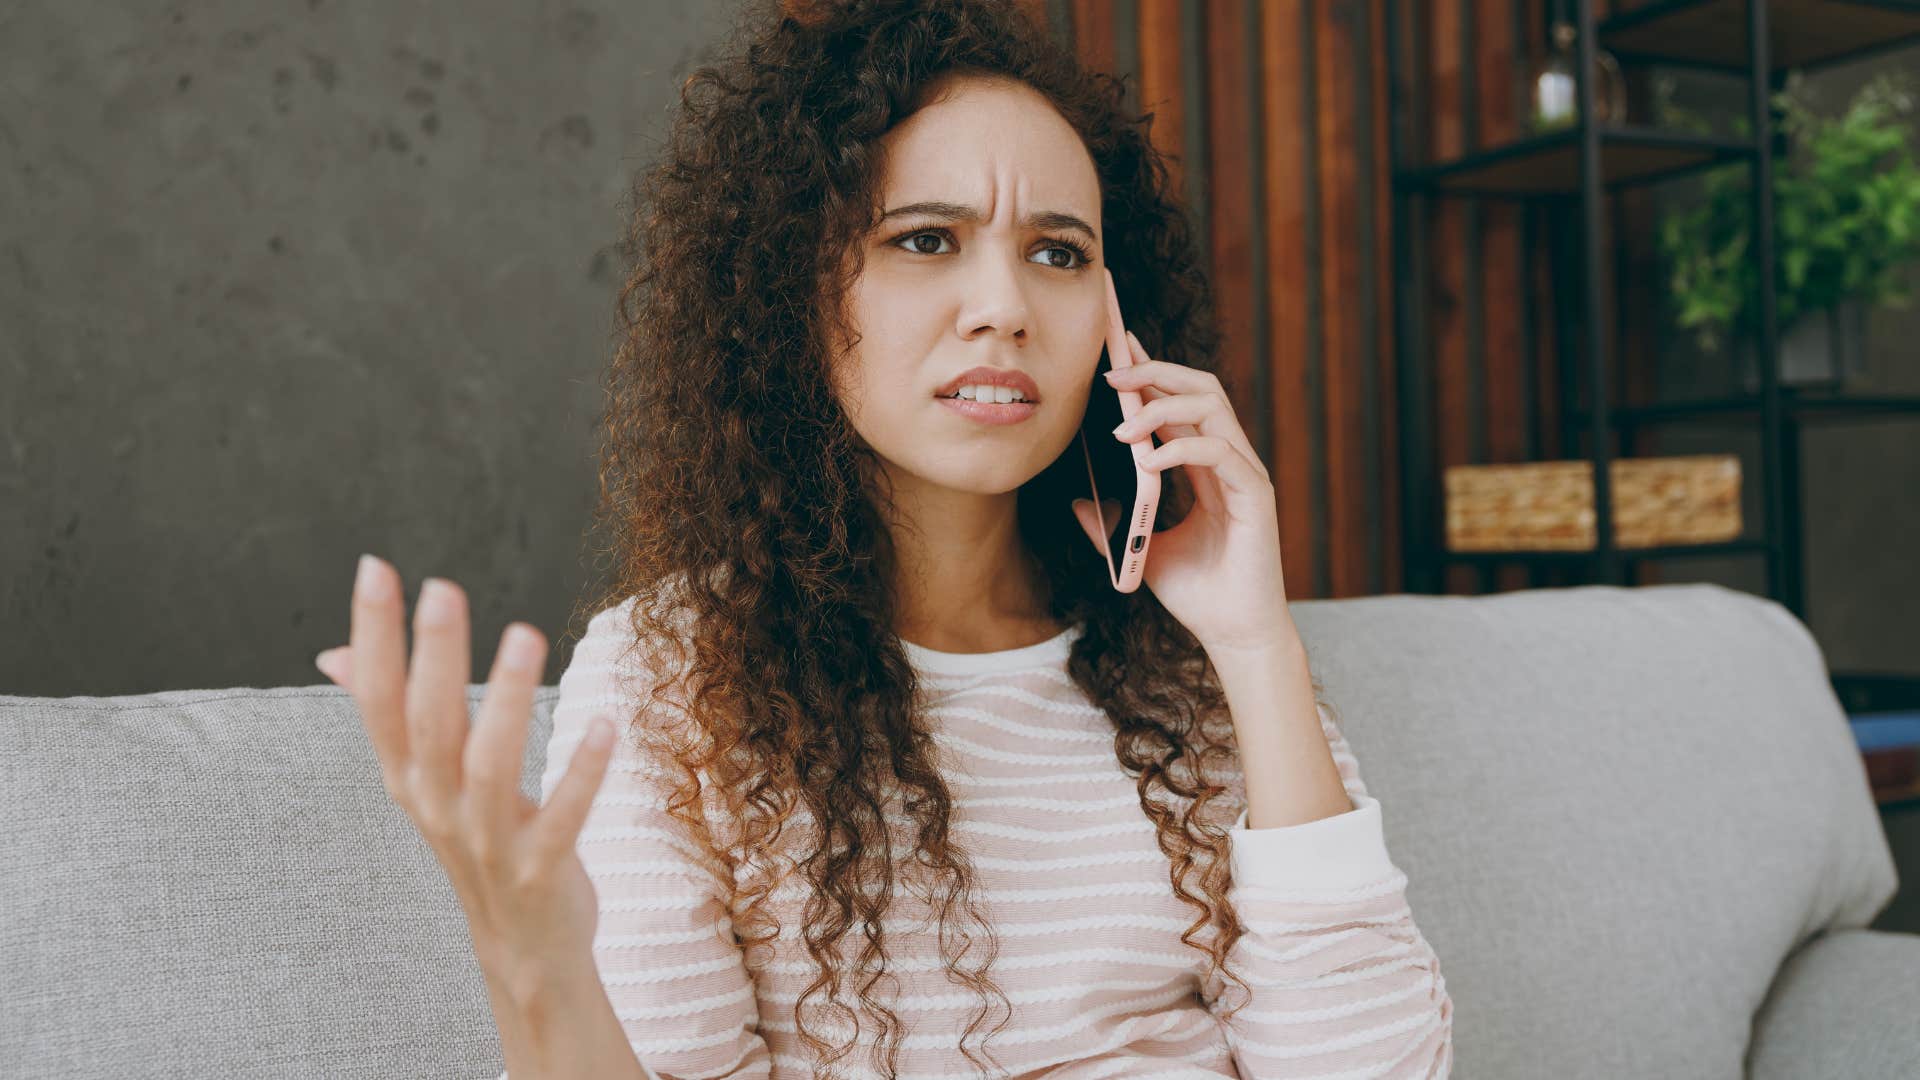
<point>995,297</point>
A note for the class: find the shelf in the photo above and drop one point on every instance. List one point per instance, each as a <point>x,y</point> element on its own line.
<point>1801,33</point>
<point>1668,551</point>
<point>1898,800</point>
<point>1812,407</point>
<point>1550,164</point>
<point>1876,691</point>
<point>1549,167</point>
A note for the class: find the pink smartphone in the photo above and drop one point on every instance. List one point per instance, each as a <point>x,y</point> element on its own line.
<point>1116,464</point>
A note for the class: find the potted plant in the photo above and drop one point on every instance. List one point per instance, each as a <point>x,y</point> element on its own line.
<point>1846,234</point>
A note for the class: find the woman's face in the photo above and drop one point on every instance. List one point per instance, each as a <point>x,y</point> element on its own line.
<point>990,280</point>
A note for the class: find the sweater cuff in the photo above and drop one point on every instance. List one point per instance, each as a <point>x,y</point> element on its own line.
<point>1344,851</point>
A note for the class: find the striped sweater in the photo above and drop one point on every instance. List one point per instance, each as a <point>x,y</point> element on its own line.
<point>1068,870</point>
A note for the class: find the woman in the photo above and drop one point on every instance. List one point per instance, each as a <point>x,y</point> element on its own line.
<point>897,769</point>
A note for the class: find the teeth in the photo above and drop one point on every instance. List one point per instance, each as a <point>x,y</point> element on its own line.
<point>998,394</point>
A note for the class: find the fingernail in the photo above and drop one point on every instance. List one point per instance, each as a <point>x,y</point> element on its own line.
<point>366,576</point>
<point>323,661</point>
<point>1125,426</point>
<point>1111,374</point>
<point>437,602</point>
<point>600,733</point>
<point>522,648</point>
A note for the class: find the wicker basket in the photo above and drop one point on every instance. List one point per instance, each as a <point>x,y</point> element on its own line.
<point>1548,505</point>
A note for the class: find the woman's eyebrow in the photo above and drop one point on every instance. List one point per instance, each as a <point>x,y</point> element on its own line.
<point>947,211</point>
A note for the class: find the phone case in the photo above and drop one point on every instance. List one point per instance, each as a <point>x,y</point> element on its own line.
<point>1127,570</point>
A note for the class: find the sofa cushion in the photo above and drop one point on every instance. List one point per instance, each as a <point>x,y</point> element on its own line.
<point>1843,1006</point>
<point>1619,808</point>
<point>215,883</point>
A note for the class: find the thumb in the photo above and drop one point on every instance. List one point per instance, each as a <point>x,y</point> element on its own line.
<point>336,664</point>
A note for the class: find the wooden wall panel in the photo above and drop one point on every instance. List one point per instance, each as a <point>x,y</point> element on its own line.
<point>1234,193</point>
<point>1092,33</point>
<point>1290,185</point>
<point>1455,410</point>
<point>1293,451</point>
<point>1158,34</point>
<point>1281,143</point>
<point>1387,572</point>
<point>1340,66</point>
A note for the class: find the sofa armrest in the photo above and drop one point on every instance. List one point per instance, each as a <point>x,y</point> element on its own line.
<point>1843,1004</point>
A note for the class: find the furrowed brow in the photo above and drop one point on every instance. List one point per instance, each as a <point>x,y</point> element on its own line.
<point>1054,220</point>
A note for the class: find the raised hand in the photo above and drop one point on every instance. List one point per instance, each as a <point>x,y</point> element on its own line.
<point>529,902</point>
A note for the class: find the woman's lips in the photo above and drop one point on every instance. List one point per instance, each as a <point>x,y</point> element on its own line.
<point>990,412</point>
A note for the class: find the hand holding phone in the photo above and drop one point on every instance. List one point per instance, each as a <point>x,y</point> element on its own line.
<point>1135,489</point>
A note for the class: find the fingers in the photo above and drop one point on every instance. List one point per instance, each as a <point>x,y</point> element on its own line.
<point>436,687</point>
<point>497,744</point>
<point>1191,396</point>
<point>557,825</point>
<point>1222,456</point>
<point>1183,414</point>
<point>377,642</point>
<point>1165,375</point>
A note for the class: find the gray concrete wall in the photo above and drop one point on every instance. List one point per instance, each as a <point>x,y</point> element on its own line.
<point>282,283</point>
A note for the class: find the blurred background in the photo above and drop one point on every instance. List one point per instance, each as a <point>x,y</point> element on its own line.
<point>282,283</point>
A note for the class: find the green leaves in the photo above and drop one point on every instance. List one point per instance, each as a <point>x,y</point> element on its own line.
<point>1846,217</point>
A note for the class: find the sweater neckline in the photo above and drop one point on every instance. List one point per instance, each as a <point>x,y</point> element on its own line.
<point>1053,650</point>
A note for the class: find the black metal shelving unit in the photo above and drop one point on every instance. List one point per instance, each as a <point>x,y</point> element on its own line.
<point>1573,169</point>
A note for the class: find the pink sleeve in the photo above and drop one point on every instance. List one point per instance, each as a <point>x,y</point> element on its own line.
<point>664,946</point>
<point>1342,980</point>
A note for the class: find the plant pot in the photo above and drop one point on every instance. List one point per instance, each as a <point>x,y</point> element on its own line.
<point>1821,348</point>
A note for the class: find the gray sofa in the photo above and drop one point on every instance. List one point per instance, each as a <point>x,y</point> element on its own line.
<point>1638,833</point>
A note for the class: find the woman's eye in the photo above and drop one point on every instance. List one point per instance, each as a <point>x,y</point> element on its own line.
<point>1073,256</point>
<point>914,241</point>
<point>912,238</point>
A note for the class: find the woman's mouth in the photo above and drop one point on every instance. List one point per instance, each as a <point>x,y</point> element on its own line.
<point>990,412</point>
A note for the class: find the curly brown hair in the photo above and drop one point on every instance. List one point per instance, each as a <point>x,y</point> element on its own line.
<point>742,511</point>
